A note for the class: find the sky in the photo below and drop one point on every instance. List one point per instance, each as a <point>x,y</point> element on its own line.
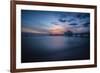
<point>33,21</point>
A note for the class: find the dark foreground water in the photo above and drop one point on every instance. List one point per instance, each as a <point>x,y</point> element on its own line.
<point>54,48</point>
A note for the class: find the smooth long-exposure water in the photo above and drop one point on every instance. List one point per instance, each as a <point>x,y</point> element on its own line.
<point>54,48</point>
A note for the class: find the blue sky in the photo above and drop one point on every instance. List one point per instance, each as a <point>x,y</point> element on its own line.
<point>41,21</point>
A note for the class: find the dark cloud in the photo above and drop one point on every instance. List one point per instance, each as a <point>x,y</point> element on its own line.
<point>73,24</point>
<point>86,24</point>
<point>62,20</point>
<point>82,16</point>
<point>70,20</point>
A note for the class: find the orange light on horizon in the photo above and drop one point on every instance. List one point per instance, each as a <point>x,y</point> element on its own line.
<point>57,29</point>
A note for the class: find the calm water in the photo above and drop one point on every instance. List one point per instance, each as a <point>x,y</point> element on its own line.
<point>54,48</point>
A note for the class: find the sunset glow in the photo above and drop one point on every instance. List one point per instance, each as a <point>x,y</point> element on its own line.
<point>52,22</point>
<point>57,29</point>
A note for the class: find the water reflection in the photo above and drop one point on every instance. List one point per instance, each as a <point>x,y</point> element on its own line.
<point>54,48</point>
<point>54,43</point>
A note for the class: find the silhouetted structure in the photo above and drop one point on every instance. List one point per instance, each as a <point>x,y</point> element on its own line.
<point>68,33</point>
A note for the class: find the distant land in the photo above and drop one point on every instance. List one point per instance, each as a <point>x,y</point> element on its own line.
<point>87,34</point>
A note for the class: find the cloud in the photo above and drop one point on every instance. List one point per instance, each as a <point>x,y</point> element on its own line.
<point>71,20</point>
<point>86,24</point>
<point>82,16</point>
<point>29,30</point>
<point>73,24</point>
<point>62,20</point>
<point>42,21</point>
<point>80,30</point>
